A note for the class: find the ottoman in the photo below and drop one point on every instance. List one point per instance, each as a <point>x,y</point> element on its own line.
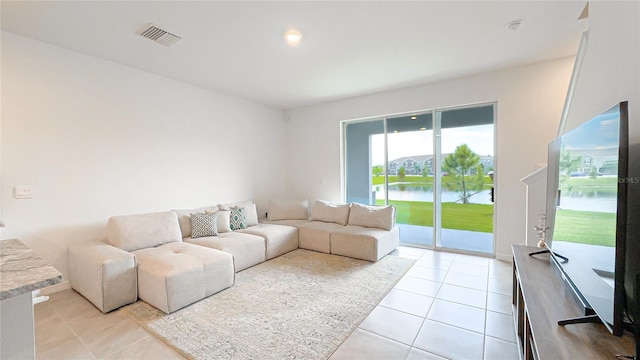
<point>177,274</point>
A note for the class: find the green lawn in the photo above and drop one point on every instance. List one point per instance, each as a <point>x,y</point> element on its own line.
<point>590,227</point>
<point>587,184</point>
<point>473,217</point>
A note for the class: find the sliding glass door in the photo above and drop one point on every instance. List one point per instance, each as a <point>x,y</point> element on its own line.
<point>411,182</point>
<point>435,167</point>
<point>466,150</point>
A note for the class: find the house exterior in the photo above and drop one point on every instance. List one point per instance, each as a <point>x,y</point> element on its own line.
<point>413,165</point>
<point>605,161</point>
<point>419,164</point>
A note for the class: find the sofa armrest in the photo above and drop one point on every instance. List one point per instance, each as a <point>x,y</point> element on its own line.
<point>104,274</point>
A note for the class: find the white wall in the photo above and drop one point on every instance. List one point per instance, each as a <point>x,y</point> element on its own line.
<point>529,105</point>
<point>611,67</point>
<point>97,139</point>
<point>610,74</point>
<point>610,71</point>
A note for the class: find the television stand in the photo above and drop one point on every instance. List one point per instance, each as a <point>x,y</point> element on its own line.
<point>547,251</point>
<point>540,298</point>
<point>580,320</point>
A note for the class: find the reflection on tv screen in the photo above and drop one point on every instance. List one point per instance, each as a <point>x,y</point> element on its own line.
<point>588,183</point>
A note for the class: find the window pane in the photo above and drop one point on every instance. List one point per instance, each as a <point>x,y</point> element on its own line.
<point>410,147</point>
<point>360,159</point>
<point>467,167</point>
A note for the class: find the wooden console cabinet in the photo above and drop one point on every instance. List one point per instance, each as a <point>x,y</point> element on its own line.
<point>540,299</point>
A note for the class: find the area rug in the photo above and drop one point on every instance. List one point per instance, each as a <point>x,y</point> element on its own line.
<point>301,305</point>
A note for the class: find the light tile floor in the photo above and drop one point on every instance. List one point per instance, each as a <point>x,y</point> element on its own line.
<point>69,327</point>
<point>448,306</point>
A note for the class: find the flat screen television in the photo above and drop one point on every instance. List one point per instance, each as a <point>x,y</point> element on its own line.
<point>587,216</point>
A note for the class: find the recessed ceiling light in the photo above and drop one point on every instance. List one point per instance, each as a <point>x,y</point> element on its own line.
<point>293,37</point>
<point>514,25</point>
<point>414,118</point>
<point>423,129</point>
<point>395,131</point>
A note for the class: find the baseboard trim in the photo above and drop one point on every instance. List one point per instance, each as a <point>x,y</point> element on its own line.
<point>65,285</point>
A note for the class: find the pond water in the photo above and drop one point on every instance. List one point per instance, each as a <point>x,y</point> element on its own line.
<point>602,202</point>
<point>589,201</point>
<point>420,192</point>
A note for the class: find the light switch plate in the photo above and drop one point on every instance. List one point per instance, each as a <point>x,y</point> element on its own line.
<point>23,192</point>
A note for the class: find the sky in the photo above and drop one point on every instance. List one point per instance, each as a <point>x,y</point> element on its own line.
<point>478,138</point>
<point>601,132</point>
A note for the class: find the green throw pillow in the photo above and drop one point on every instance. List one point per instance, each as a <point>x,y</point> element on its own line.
<point>238,219</point>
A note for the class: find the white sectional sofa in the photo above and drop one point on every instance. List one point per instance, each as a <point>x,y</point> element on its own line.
<point>353,230</point>
<point>250,245</point>
<point>147,259</point>
<point>247,249</point>
<point>175,258</point>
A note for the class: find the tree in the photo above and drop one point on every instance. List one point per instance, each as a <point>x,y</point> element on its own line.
<point>377,170</point>
<point>567,165</point>
<point>401,172</point>
<point>417,167</point>
<point>457,166</point>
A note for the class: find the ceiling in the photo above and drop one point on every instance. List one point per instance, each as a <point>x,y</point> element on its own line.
<point>348,48</point>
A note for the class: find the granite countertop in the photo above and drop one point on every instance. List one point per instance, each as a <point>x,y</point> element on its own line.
<point>22,271</point>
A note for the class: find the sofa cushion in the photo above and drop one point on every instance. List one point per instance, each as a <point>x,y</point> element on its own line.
<point>364,243</point>
<point>381,217</point>
<point>247,249</point>
<point>316,235</point>
<point>172,276</point>
<point>330,212</point>
<point>237,218</point>
<point>250,211</point>
<point>223,220</point>
<point>204,224</point>
<point>279,239</point>
<point>133,232</point>
<point>103,274</point>
<point>288,210</point>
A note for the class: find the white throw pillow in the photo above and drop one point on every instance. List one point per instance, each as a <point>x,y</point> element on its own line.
<point>250,211</point>
<point>330,212</point>
<point>288,210</point>
<point>224,225</point>
<point>382,217</point>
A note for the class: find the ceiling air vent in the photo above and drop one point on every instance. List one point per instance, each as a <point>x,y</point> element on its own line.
<point>160,36</point>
